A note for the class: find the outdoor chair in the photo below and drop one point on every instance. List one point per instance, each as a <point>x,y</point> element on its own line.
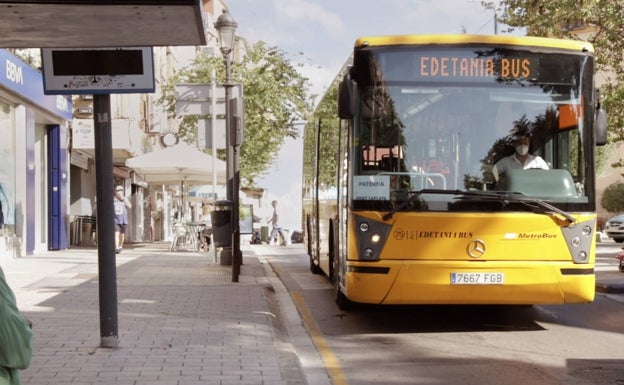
<point>179,234</point>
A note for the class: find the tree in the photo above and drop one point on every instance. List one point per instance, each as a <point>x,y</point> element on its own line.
<point>325,118</point>
<point>598,21</point>
<point>613,198</point>
<point>275,98</point>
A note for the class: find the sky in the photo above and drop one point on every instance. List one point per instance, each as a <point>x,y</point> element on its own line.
<point>320,34</point>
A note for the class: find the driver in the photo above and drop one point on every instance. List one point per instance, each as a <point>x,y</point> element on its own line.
<point>520,159</point>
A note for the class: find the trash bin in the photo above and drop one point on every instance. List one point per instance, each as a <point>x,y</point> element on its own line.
<point>222,224</point>
<point>264,234</point>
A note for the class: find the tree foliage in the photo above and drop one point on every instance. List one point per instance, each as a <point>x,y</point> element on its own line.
<point>325,119</point>
<point>613,198</point>
<point>275,98</point>
<point>597,21</point>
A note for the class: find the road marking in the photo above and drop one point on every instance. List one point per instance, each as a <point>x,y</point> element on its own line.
<point>331,362</point>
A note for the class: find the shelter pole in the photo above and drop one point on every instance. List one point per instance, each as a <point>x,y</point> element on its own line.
<point>107,268</point>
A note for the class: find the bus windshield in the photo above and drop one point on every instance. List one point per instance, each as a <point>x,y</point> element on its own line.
<point>435,118</point>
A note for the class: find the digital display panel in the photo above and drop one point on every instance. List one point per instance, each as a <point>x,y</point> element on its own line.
<point>473,65</point>
<point>76,71</point>
<point>476,67</point>
<point>97,62</point>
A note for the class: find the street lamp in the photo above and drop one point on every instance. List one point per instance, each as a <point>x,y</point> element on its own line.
<point>226,27</point>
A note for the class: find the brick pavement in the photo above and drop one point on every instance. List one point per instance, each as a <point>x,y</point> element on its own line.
<point>181,320</point>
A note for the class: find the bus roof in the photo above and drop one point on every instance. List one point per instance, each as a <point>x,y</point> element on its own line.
<point>474,39</point>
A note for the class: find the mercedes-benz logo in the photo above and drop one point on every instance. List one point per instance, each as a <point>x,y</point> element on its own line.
<point>476,248</point>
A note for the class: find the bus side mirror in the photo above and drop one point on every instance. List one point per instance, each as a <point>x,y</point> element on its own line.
<point>600,127</point>
<point>345,97</point>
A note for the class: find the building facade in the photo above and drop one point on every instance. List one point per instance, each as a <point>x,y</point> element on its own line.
<point>34,179</point>
<point>47,177</point>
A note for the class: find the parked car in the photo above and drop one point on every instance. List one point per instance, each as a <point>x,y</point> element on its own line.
<point>614,228</point>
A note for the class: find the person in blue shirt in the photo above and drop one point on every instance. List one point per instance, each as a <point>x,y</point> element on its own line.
<point>121,206</point>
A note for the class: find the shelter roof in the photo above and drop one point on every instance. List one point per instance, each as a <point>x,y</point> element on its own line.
<point>100,23</point>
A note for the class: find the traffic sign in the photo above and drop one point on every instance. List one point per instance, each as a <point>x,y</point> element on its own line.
<point>198,99</point>
<point>206,126</point>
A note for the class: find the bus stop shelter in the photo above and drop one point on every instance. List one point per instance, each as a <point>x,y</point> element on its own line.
<point>98,23</point>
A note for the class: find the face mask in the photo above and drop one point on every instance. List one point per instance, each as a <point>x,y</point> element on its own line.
<point>522,149</point>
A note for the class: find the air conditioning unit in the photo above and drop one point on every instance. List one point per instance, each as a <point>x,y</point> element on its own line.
<point>153,118</point>
<point>85,110</point>
<point>207,51</point>
<point>86,97</point>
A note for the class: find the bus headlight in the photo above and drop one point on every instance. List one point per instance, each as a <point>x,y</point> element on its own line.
<point>370,236</point>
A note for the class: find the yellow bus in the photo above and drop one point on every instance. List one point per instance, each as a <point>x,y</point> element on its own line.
<point>406,198</point>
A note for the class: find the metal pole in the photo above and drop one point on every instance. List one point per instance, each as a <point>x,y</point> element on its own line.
<point>237,257</point>
<point>105,221</point>
<point>213,134</point>
<point>233,173</point>
<point>226,252</point>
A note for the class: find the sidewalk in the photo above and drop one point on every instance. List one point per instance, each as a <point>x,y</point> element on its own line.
<point>180,318</point>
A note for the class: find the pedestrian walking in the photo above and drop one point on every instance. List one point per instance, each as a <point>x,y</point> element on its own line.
<point>277,229</point>
<point>121,206</point>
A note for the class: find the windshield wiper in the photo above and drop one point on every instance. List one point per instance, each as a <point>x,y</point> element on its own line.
<point>517,197</point>
<point>506,197</point>
<point>413,197</point>
<point>528,202</point>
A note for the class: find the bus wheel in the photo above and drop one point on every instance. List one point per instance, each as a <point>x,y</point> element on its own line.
<point>314,268</point>
<point>308,235</point>
<point>342,301</point>
<point>333,250</point>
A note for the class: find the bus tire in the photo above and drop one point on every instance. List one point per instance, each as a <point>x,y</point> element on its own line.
<point>308,235</point>
<point>314,268</point>
<point>342,301</point>
<point>333,250</point>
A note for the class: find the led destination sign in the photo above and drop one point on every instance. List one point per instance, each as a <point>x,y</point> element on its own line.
<point>476,67</point>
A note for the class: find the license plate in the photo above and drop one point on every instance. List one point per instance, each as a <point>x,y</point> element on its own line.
<point>477,278</point>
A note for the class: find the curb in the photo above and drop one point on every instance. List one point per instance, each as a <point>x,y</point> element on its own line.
<point>611,288</point>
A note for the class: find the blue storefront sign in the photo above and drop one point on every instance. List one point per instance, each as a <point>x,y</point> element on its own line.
<point>27,82</point>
